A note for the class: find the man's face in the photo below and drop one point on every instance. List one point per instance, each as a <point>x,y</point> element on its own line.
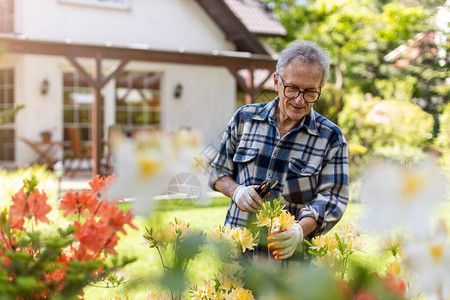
<point>303,76</point>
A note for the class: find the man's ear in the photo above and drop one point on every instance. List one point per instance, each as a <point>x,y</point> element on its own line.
<point>275,81</point>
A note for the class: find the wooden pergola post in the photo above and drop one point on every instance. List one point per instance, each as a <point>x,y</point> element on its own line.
<point>97,82</point>
<point>247,84</point>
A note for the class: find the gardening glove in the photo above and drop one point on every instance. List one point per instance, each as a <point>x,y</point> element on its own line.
<point>284,243</point>
<point>247,199</point>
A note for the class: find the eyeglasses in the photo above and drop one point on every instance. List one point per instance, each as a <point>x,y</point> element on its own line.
<point>293,92</point>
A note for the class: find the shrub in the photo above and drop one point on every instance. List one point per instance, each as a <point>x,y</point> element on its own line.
<point>394,129</point>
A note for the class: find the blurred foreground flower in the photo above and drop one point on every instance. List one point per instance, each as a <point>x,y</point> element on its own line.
<point>397,195</point>
<point>428,260</point>
<point>147,163</point>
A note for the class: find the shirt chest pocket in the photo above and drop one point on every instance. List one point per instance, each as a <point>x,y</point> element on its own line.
<point>302,179</point>
<point>244,158</point>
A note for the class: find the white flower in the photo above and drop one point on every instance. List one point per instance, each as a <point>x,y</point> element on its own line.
<point>141,169</point>
<point>398,195</point>
<point>428,260</point>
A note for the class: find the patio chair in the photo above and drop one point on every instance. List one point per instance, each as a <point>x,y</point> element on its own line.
<point>78,153</point>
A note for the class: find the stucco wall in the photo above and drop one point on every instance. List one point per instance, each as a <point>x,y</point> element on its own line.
<point>206,104</point>
<point>167,24</point>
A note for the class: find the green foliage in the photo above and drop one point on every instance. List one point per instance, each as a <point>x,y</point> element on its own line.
<point>7,115</point>
<point>400,89</point>
<point>392,129</point>
<point>443,139</point>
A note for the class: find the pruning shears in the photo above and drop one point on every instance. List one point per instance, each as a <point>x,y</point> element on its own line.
<point>266,186</point>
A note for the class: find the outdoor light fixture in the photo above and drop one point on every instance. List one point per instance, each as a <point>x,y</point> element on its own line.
<point>178,91</point>
<point>44,87</point>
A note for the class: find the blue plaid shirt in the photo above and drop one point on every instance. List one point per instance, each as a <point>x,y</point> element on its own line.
<point>310,163</point>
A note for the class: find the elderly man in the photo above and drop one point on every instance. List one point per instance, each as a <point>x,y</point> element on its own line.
<point>287,140</point>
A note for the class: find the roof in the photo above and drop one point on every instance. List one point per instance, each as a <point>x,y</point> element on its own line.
<point>256,17</point>
<point>243,21</point>
<point>404,54</point>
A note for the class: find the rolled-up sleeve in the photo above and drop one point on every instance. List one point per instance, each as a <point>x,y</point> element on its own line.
<point>332,193</point>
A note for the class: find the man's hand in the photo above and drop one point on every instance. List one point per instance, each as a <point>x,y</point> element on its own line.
<point>247,199</point>
<point>284,243</point>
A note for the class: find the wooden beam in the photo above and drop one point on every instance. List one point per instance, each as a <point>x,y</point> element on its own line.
<point>83,73</point>
<point>248,85</point>
<point>234,59</point>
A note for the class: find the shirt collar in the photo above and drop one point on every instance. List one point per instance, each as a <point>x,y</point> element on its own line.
<point>269,110</point>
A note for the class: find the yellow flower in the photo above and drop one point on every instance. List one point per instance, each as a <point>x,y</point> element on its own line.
<point>324,241</point>
<point>243,238</point>
<point>225,282</point>
<point>390,244</point>
<point>231,269</point>
<point>394,268</point>
<point>346,230</point>
<point>157,296</point>
<point>205,291</point>
<point>176,229</point>
<point>240,294</point>
<point>263,221</point>
<point>328,260</point>
<point>220,295</point>
<point>286,220</point>
<point>355,243</point>
<point>216,232</point>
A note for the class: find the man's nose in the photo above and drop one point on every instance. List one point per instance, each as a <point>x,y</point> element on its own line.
<point>299,98</point>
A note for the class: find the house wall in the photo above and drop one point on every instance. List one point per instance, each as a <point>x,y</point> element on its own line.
<point>206,104</point>
<point>167,25</point>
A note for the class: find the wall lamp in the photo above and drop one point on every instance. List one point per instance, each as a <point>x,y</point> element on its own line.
<point>178,90</point>
<point>44,87</point>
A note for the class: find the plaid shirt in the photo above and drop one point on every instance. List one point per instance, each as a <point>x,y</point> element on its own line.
<point>310,163</point>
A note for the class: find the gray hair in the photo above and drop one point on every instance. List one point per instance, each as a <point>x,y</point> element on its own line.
<point>308,52</point>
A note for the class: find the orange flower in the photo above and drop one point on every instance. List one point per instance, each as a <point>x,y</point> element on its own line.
<point>17,210</point>
<point>28,206</point>
<point>76,203</point>
<point>395,285</point>
<point>110,244</point>
<point>38,207</point>
<point>92,235</point>
<point>98,184</point>
<point>114,216</point>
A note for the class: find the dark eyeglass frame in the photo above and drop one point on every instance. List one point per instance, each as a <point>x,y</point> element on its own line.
<point>299,91</point>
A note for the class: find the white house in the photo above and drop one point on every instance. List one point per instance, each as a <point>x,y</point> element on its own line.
<point>168,64</point>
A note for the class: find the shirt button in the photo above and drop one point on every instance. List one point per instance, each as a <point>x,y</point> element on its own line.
<point>275,154</point>
<point>269,175</point>
<point>243,156</point>
<point>303,171</point>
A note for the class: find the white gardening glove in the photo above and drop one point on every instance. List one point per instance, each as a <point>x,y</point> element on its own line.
<point>284,243</point>
<point>246,198</point>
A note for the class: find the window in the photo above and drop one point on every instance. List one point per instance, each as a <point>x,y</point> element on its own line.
<point>7,102</point>
<point>137,100</point>
<point>78,98</point>
<point>6,16</point>
<point>120,4</point>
